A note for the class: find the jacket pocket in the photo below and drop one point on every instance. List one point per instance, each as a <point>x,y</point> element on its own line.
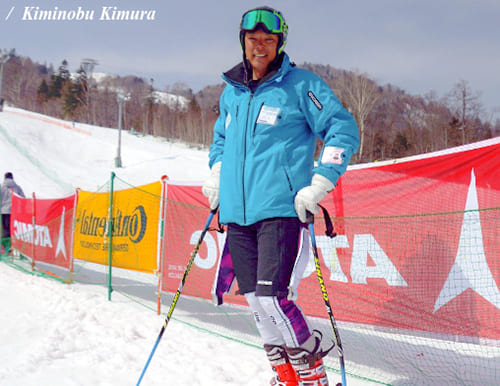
<point>286,167</point>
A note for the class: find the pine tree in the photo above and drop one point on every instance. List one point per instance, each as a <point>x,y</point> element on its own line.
<point>43,92</point>
<point>74,94</point>
<point>58,80</point>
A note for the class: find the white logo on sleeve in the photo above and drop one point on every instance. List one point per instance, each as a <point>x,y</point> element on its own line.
<point>228,120</point>
<point>268,115</point>
<point>332,155</point>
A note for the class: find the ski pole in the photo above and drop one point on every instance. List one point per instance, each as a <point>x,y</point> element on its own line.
<point>310,220</point>
<point>179,290</point>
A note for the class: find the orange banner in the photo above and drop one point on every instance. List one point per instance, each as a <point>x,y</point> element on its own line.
<point>136,213</point>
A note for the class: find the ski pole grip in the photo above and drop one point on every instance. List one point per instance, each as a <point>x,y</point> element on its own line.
<point>309,217</point>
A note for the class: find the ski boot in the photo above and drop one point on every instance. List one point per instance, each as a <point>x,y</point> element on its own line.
<point>285,373</point>
<point>307,361</point>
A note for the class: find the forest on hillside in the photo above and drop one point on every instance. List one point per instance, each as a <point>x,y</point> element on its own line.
<point>392,123</point>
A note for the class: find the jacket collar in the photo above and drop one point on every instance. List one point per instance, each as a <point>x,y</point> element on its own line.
<point>239,75</point>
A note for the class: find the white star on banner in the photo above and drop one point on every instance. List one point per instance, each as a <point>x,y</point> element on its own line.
<point>470,269</point>
<point>61,247</point>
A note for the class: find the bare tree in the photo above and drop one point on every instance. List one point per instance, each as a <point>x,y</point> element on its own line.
<point>437,121</point>
<point>180,88</point>
<point>359,94</point>
<point>466,106</point>
<point>87,65</point>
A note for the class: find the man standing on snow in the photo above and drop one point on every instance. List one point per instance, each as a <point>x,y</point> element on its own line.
<point>271,113</point>
<point>8,186</point>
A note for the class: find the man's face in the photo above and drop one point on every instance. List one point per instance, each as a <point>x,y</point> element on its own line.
<point>260,50</point>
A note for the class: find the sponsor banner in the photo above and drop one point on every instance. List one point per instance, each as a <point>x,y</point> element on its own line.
<point>49,240</point>
<point>416,247</point>
<point>186,215</point>
<point>136,214</point>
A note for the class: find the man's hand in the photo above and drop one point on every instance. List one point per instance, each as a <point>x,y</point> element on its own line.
<point>307,198</point>
<point>210,188</point>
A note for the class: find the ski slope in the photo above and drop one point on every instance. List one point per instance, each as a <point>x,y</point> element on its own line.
<point>67,335</point>
<point>52,157</point>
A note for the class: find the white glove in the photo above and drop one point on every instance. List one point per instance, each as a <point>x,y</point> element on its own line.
<point>210,188</point>
<point>307,198</point>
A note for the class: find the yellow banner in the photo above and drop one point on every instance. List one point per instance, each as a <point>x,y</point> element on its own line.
<point>136,213</point>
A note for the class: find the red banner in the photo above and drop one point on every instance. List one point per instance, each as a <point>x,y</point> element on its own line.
<point>416,247</point>
<point>41,229</point>
<point>186,214</point>
<point>419,242</point>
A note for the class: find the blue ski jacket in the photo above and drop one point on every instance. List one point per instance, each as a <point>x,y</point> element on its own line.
<point>266,140</point>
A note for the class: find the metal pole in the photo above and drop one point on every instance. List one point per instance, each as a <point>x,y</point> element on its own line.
<point>110,235</point>
<point>333,324</point>
<point>178,293</point>
<point>120,98</point>
<point>118,155</point>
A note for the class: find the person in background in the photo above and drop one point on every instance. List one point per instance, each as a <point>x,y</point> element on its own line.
<point>8,186</point>
<point>264,180</point>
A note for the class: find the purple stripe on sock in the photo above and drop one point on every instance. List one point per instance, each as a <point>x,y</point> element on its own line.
<point>296,319</point>
<point>225,276</point>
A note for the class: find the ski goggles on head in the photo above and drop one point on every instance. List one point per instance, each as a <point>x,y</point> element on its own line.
<point>273,21</point>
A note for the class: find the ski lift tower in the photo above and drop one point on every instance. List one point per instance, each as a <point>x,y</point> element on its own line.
<point>121,97</point>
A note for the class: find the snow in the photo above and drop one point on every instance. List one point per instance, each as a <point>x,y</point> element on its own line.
<point>57,334</point>
<point>162,97</point>
<point>52,157</point>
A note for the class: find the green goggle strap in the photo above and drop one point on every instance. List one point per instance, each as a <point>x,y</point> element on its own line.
<point>273,21</point>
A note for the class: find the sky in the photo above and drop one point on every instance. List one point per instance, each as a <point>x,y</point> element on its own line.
<point>418,45</point>
<point>53,334</point>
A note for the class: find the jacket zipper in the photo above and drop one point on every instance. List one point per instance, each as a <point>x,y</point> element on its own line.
<point>245,158</point>
<point>254,126</point>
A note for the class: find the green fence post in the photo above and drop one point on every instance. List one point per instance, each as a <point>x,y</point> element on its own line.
<point>110,235</point>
